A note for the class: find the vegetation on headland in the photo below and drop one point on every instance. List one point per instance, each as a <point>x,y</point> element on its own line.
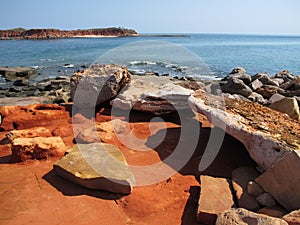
<point>21,33</point>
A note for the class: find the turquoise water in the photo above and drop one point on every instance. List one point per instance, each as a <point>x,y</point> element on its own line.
<point>221,53</point>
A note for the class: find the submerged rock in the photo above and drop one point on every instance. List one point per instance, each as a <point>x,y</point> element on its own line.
<point>17,73</point>
<point>97,166</point>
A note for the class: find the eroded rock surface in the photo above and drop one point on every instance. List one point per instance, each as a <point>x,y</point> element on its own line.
<point>98,84</point>
<point>267,135</point>
<point>244,217</point>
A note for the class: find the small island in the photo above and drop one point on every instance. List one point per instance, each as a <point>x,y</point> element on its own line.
<point>23,34</point>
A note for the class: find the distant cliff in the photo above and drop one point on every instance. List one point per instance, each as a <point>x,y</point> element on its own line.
<point>20,33</point>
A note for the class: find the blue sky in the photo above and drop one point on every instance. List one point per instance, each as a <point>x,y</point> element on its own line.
<point>156,16</point>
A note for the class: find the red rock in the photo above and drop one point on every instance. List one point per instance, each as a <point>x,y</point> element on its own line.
<point>29,133</point>
<point>37,148</point>
<point>63,131</point>
<point>23,117</point>
<point>215,197</point>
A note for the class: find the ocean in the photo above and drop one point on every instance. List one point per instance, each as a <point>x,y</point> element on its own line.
<point>206,56</point>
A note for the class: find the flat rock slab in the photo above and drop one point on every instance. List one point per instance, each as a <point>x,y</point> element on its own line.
<point>215,197</point>
<point>97,166</point>
<point>244,217</point>
<point>268,135</point>
<point>158,95</point>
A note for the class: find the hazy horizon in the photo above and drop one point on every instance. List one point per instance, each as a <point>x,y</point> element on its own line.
<point>277,17</point>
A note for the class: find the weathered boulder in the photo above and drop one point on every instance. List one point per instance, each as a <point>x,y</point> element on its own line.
<point>264,79</point>
<point>37,148</point>
<point>268,90</point>
<point>282,181</point>
<point>252,124</point>
<point>242,216</point>
<point>236,86</point>
<point>29,133</point>
<point>256,84</point>
<point>287,105</point>
<point>255,97</point>
<point>293,218</point>
<point>158,95</point>
<point>238,73</point>
<point>290,84</point>
<point>285,75</point>
<point>241,177</point>
<point>17,73</point>
<point>215,197</point>
<point>98,84</point>
<point>97,166</point>
<point>276,98</point>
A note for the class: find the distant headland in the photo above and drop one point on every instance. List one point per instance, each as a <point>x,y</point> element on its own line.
<point>21,33</point>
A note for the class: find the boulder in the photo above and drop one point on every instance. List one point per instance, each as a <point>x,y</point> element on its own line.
<point>264,79</point>
<point>255,97</point>
<point>215,197</point>
<point>157,95</point>
<point>266,199</point>
<point>293,218</point>
<point>285,75</point>
<point>241,177</point>
<point>252,124</point>
<point>282,181</point>
<point>287,105</point>
<point>37,148</point>
<point>254,189</point>
<point>242,216</point>
<point>238,73</point>
<point>236,86</point>
<point>275,98</point>
<point>97,166</point>
<point>290,84</point>
<point>98,84</point>
<point>17,73</point>
<point>267,91</point>
<point>29,133</point>
<point>256,84</point>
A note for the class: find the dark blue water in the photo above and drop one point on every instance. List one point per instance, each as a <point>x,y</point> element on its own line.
<point>221,53</point>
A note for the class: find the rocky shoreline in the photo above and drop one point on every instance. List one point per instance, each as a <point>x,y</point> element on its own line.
<point>253,177</point>
<point>23,34</point>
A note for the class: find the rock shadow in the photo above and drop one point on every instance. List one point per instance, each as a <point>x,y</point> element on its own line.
<point>190,209</point>
<point>69,188</point>
<point>232,153</point>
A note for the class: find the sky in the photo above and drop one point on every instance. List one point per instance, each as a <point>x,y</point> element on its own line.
<point>156,16</point>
